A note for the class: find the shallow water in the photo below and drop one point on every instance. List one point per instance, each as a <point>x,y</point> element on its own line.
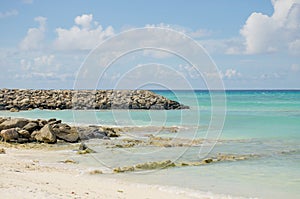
<point>264,123</point>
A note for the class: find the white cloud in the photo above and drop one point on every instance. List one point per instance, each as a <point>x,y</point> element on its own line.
<point>35,36</point>
<point>82,36</point>
<point>45,63</point>
<point>230,73</point>
<point>84,20</point>
<point>8,13</point>
<point>192,33</point>
<point>294,46</point>
<point>199,33</point>
<point>270,76</point>
<point>265,33</point>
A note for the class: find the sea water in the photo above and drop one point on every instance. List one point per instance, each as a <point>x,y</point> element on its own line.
<point>263,123</point>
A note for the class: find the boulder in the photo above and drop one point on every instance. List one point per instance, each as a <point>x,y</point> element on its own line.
<point>13,123</point>
<point>24,134</point>
<point>31,126</point>
<point>111,132</point>
<point>9,134</point>
<point>46,135</point>
<point>2,120</point>
<point>65,132</point>
<point>14,110</point>
<point>22,140</point>
<point>86,133</point>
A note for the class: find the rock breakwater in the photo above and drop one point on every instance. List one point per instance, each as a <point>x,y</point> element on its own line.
<point>19,99</point>
<point>22,130</point>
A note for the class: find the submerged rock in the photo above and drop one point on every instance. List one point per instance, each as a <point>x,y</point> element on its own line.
<point>145,166</point>
<point>169,163</point>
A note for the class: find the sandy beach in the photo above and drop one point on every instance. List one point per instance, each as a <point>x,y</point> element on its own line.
<point>21,177</point>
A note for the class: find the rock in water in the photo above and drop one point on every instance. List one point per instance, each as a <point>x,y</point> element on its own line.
<point>9,134</point>
<point>13,123</point>
<point>84,99</point>
<point>65,132</point>
<point>46,135</point>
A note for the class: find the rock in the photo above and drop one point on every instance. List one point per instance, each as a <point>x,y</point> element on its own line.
<point>111,132</point>
<point>44,135</point>
<point>123,169</point>
<point>155,165</point>
<point>42,123</point>
<point>69,161</point>
<point>9,134</point>
<point>86,133</point>
<point>13,123</point>
<point>22,140</point>
<point>2,120</point>
<point>86,151</point>
<point>2,151</point>
<point>24,133</point>
<point>83,146</point>
<point>208,160</point>
<point>16,99</point>
<point>95,172</point>
<point>65,132</point>
<point>31,126</point>
<point>14,110</point>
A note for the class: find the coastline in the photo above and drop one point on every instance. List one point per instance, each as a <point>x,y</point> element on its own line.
<point>25,174</point>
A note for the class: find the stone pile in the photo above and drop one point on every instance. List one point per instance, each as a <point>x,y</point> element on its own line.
<point>18,99</point>
<point>21,130</point>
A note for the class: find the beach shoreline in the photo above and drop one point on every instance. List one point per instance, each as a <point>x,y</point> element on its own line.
<point>25,174</point>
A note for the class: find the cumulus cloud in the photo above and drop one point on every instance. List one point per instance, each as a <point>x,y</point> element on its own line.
<point>85,35</point>
<point>35,36</point>
<point>84,20</point>
<point>45,63</point>
<point>8,13</point>
<point>280,31</point>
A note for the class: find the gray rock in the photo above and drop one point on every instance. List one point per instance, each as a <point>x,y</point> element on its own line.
<point>9,134</point>
<point>22,140</point>
<point>86,133</point>
<point>65,132</point>
<point>13,123</point>
<point>31,126</point>
<point>44,135</point>
<point>24,133</point>
<point>15,99</point>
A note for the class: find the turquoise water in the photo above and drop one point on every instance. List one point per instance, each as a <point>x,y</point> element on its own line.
<point>264,123</point>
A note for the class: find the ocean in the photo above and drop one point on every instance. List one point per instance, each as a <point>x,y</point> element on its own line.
<point>263,123</point>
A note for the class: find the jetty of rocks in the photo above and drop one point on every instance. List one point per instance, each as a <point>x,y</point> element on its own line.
<point>26,99</point>
<point>20,130</point>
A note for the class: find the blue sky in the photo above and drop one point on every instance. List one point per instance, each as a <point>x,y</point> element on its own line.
<point>254,43</point>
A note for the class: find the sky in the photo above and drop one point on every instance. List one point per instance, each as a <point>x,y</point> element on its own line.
<point>254,44</point>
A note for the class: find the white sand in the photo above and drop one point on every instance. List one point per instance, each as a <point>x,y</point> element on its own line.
<point>23,177</point>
